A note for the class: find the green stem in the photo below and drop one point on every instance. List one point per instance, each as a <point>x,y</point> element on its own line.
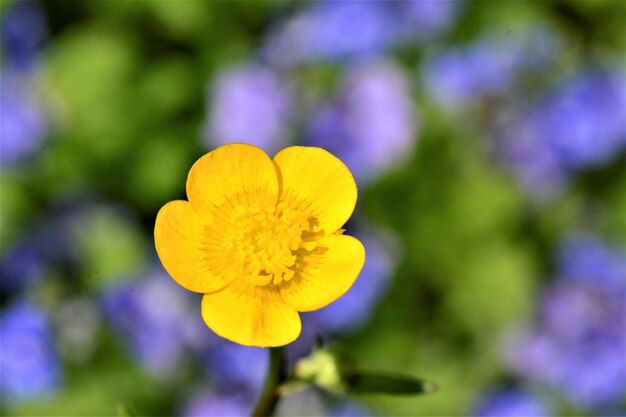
<point>276,375</point>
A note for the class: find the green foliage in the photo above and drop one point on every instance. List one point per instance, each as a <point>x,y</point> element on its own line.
<point>111,247</point>
<point>126,83</point>
<point>381,383</point>
<point>99,389</point>
<point>17,206</point>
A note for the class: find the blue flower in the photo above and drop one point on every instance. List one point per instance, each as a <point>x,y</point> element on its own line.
<point>587,258</point>
<point>217,405</point>
<point>590,373</point>
<point>21,265</point>
<point>320,32</point>
<point>23,124</point>
<point>248,103</point>
<point>373,124</point>
<point>578,345</point>
<point>584,120</point>
<point>450,78</point>
<point>349,410</point>
<point>161,338</point>
<point>52,236</point>
<point>579,125</point>
<point>427,18</point>
<point>28,363</point>
<point>23,31</point>
<point>238,368</point>
<point>532,161</point>
<point>597,371</point>
<point>458,77</point>
<point>510,403</point>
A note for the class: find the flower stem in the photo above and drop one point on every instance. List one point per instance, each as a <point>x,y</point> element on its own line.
<point>276,375</point>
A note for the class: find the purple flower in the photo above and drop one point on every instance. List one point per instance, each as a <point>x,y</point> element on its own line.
<point>47,244</point>
<point>587,258</point>
<point>52,237</point>
<point>533,163</point>
<point>460,76</point>
<point>23,124</point>
<point>426,18</point>
<point>567,304</point>
<point>578,345</point>
<point>584,120</point>
<point>332,30</point>
<point>449,78</point>
<point>510,403</point>
<point>236,367</point>
<point>248,103</point>
<point>590,373</point>
<point>597,372</point>
<point>349,410</point>
<point>23,31</point>
<point>158,321</point>
<point>581,124</point>
<point>21,265</point>
<point>373,124</point>
<point>28,363</point>
<point>217,405</point>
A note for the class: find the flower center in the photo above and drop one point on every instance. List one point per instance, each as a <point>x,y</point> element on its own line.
<point>267,242</point>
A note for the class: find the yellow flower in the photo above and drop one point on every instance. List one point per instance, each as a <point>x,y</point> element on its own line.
<point>262,239</point>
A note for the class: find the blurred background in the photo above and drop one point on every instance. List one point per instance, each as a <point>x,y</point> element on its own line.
<point>487,139</point>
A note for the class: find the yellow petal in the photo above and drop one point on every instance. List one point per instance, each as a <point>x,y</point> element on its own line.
<point>321,278</point>
<point>238,173</point>
<point>251,315</point>
<point>320,180</point>
<point>180,239</point>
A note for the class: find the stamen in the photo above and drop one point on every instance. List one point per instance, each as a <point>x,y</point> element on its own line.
<point>266,242</point>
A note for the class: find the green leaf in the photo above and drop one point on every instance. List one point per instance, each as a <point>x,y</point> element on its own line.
<point>387,383</point>
<point>124,411</point>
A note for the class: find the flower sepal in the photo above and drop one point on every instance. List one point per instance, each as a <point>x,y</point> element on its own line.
<point>387,383</point>
<point>327,370</point>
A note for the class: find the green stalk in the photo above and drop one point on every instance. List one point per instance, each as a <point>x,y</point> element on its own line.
<point>276,375</point>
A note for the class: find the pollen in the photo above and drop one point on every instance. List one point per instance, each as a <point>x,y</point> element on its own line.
<point>266,242</point>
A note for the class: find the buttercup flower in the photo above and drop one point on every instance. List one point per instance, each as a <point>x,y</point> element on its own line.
<point>261,239</point>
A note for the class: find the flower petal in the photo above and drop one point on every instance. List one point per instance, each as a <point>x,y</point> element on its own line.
<point>320,180</point>
<point>321,278</point>
<point>180,240</point>
<point>251,315</point>
<point>239,173</point>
